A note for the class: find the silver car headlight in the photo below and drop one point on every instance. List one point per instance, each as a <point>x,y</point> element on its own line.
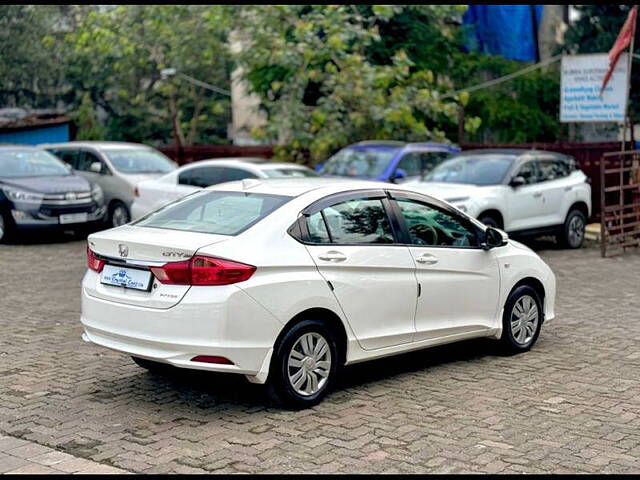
<point>96,194</point>
<point>17,195</point>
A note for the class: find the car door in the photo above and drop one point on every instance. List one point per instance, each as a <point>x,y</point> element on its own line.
<point>459,282</point>
<point>525,203</point>
<point>353,244</point>
<point>554,185</point>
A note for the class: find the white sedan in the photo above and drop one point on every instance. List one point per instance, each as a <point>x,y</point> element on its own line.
<point>153,194</point>
<point>285,281</point>
<point>520,191</point>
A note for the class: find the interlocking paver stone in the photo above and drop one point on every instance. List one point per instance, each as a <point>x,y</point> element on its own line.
<point>572,404</point>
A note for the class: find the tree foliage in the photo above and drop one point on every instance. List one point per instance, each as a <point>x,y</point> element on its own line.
<point>312,68</point>
<point>116,55</point>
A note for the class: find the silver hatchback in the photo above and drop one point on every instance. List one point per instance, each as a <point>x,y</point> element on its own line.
<point>117,167</point>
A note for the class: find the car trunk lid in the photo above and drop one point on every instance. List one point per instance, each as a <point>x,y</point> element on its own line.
<point>138,248</point>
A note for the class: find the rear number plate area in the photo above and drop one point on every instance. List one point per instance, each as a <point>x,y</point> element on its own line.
<point>126,277</point>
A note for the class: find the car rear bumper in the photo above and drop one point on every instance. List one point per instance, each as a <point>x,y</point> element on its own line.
<point>205,322</point>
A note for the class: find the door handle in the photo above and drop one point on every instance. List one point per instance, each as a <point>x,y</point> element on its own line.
<point>568,189</point>
<point>537,195</point>
<point>427,259</point>
<point>332,256</point>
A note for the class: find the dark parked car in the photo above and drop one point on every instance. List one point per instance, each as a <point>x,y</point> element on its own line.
<point>388,161</point>
<point>37,190</point>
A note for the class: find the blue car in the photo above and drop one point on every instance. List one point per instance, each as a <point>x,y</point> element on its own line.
<point>388,161</point>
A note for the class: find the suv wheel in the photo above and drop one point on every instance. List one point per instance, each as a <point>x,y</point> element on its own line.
<point>489,221</point>
<point>304,365</point>
<point>521,320</point>
<point>572,235</point>
<point>118,214</point>
<point>6,227</point>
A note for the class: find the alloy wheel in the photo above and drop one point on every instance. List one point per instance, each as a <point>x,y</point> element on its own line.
<point>119,216</point>
<point>576,230</point>
<point>309,364</point>
<point>524,319</point>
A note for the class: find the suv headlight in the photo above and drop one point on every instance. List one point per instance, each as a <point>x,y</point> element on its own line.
<point>96,194</point>
<point>16,195</point>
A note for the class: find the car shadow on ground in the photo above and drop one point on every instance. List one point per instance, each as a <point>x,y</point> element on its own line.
<point>194,389</point>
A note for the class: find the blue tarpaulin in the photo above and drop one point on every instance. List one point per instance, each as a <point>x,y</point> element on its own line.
<point>507,30</point>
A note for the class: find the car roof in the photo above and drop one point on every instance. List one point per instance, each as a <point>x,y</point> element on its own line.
<point>251,162</point>
<point>517,152</point>
<point>16,146</point>
<point>398,144</point>
<point>100,145</point>
<point>296,186</point>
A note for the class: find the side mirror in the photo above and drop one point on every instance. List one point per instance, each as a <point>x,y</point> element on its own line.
<point>517,181</point>
<point>95,167</point>
<point>493,238</point>
<point>399,174</point>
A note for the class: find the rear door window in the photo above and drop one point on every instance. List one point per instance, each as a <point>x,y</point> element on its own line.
<point>204,177</point>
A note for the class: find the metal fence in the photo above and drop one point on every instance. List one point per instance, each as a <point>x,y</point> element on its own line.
<point>619,202</point>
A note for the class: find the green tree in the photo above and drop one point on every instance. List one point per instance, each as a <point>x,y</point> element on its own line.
<point>310,65</point>
<point>88,126</point>
<point>116,54</point>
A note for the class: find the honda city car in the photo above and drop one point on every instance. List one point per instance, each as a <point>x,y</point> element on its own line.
<point>286,281</point>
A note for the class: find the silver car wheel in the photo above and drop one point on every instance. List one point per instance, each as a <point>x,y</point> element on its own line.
<point>576,230</point>
<point>309,364</point>
<point>119,216</point>
<point>524,320</point>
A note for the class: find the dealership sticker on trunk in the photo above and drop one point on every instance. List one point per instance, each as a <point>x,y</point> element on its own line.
<point>126,277</point>
<point>73,218</point>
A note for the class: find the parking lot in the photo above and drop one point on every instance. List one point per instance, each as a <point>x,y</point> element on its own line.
<point>572,404</point>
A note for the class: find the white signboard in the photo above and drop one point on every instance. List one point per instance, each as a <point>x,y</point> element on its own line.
<point>580,84</point>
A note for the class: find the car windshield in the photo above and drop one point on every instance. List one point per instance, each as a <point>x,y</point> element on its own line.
<point>139,160</point>
<point>483,169</point>
<point>359,162</point>
<point>289,172</point>
<point>30,163</point>
<point>221,213</point>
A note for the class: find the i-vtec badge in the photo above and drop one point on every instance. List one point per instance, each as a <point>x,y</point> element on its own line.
<point>123,250</point>
<point>176,254</point>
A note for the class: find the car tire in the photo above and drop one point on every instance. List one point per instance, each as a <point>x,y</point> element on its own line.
<point>521,320</point>
<point>150,365</point>
<point>301,375</point>
<point>118,214</point>
<point>6,227</point>
<point>489,221</point>
<point>572,233</point>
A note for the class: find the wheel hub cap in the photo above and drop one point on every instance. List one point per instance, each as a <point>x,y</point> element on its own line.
<point>524,319</point>
<point>309,364</point>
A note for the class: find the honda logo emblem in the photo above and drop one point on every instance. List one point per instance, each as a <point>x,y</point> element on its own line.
<point>123,250</point>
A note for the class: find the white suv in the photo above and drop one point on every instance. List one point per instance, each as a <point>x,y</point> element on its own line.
<point>520,191</point>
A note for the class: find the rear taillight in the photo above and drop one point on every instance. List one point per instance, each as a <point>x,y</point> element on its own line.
<point>203,271</point>
<point>136,192</point>
<point>93,262</point>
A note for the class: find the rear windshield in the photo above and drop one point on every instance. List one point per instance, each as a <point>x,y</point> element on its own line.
<point>220,213</point>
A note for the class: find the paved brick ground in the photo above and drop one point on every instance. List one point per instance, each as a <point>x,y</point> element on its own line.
<point>572,404</point>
